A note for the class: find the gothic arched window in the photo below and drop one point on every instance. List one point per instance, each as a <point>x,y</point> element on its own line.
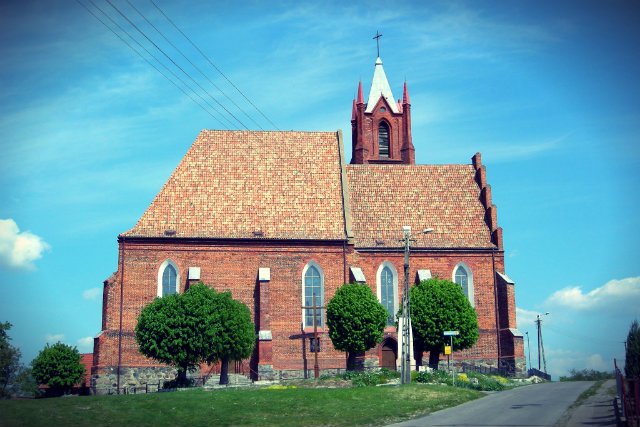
<point>463,277</point>
<point>313,283</point>
<point>383,139</point>
<point>387,294</point>
<point>168,279</point>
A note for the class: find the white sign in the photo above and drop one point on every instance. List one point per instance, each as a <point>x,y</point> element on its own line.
<point>450,333</point>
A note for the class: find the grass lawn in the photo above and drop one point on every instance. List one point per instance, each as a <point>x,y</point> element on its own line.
<point>360,406</point>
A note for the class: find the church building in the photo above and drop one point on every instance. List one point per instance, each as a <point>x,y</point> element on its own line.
<point>277,217</point>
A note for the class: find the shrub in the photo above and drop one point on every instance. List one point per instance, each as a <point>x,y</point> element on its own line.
<point>59,367</point>
<point>587,375</point>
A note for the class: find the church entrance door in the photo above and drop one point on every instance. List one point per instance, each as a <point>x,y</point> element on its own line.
<point>389,354</point>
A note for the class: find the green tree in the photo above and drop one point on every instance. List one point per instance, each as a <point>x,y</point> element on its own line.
<point>356,321</point>
<point>231,332</point>
<point>439,305</point>
<point>10,366</point>
<point>59,367</point>
<point>201,325</point>
<point>632,354</point>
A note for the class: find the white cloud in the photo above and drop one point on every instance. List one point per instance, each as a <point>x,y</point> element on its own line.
<point>85,345</point>
<point>19,249</point>
<point>91,294</point>
<point>53,338</point>
<point>526,318</point>
<point>613,295</point>
<point>561,361</point>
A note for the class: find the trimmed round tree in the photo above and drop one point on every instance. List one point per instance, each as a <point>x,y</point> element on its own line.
<point>230,332</point>
<point>356,321</point>
<point>201,325</point>
<point>59,367</point>
<point>167,333</point>
<point>439,305</point>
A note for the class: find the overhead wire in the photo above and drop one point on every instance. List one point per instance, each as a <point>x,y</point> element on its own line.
<point>174,63</point>
<point>213,65</point>
<point>192,64</point>
<point>151,64</point>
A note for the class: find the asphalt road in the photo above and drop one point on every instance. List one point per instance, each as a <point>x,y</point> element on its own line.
<point>531,406</point>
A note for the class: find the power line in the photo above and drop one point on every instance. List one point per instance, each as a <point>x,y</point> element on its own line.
<point>174,63</point>
<point>192,64</point>
<point>213,65</point>
<point>149,62</point>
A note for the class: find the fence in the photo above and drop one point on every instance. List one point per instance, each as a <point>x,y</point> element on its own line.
<point>629,394</point>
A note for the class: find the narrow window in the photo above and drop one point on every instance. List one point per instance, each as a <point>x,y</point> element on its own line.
<point>313,286</point>
<point>462,280</point>
<point>463,276</point>
<point>383,139</point>
<point>169,279</point>
<point>387,297</point>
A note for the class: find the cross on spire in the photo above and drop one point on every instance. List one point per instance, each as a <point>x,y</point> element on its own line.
<point>377,38</point>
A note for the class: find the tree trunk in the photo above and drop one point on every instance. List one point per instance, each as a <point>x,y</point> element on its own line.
<point>224,371</point>
<point>182,376</point>
<point>355,361</point>
<point>434,358</point>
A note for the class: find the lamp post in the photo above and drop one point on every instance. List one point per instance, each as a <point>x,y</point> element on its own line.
<point>540,344</point>
<point>405,355</point>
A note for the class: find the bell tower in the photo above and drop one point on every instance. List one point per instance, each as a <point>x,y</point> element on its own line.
<point>381,128</point>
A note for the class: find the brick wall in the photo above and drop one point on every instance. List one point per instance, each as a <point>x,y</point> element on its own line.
<point>233,266</point>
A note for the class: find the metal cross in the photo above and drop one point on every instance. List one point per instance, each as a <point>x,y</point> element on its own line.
<point>377,37</point>
<point>314,307</point>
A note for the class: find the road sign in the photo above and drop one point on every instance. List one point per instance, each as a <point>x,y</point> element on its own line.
<point>450,333</point>
<point>447,349</point>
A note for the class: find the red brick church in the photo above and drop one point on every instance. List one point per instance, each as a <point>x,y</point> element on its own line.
<point>275,217</point>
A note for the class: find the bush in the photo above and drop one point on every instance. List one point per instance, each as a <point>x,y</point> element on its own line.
<point>369,378</point>
<point>471,380</point>
<point>587,375</point>
<point>59,367</point>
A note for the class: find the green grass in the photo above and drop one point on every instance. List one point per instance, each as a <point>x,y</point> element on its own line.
<point>591,391</point>
<point>359,406</point>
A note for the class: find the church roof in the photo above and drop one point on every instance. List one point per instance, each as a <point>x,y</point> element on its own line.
<point>384,198</point>
<point>380,87</point>
<point>246,184</point>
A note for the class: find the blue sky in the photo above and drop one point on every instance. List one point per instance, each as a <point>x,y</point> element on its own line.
<point>548,93</point>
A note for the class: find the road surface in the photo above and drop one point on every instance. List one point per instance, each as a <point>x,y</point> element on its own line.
<point>532,406</point>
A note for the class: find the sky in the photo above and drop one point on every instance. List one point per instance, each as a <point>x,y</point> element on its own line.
<point>547,92</point>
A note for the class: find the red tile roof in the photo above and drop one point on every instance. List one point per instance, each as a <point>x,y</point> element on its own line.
<point>231,183</point>
<point>287,185</point>
<point>384,198</point>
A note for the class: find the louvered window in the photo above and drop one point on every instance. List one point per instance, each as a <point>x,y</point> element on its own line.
<point>383,139</point>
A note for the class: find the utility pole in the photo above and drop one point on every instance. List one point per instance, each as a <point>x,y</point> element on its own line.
<point>540,344</point>
<point>405,375</point>
<point>529,348</point>
<point>405,367</point>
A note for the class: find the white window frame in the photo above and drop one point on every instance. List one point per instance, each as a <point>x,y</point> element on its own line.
<point>394,273</point>
<point>163,266</point>
<point>470,288</point>
<point>321,273</point>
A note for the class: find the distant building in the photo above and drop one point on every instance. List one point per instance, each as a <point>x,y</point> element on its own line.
<point>276,217</point>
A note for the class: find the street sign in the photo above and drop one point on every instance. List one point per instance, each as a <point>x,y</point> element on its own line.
<point>450,333</point>
<point>447,350</point>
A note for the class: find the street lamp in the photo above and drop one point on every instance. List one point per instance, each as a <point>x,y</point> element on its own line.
<point>405,355</point>
<point>540,344</point>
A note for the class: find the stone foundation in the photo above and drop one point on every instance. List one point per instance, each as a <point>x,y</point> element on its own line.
<point>133,379</point>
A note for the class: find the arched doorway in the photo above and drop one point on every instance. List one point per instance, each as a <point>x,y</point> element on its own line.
<point>389,354</point>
